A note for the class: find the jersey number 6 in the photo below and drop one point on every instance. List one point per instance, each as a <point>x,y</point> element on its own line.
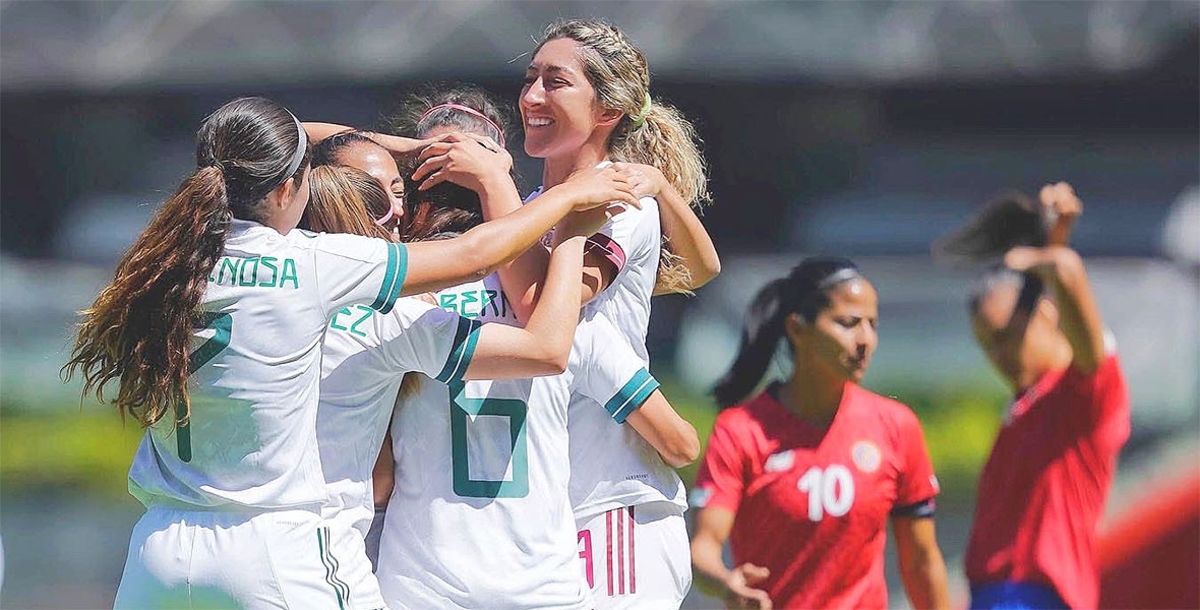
<point>462,407</point>
<point>222,325</point>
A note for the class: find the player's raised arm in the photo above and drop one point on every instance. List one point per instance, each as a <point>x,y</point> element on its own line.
<point>473,255</point>
<point>397,145</point>
<point>1062,270</point>
<point>543,347</point>
<point>686,235</point>
<point>479,163</point>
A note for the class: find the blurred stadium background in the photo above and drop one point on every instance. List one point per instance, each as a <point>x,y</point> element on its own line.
<point>858,128</point>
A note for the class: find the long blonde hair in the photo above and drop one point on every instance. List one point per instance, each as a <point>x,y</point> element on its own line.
<point>651,131</point>
<point>343,200</point>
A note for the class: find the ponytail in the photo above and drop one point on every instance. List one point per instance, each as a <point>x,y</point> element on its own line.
<point>804,291</point>
<point>139,328</point>
<point>660,136</point>
<point>760,338</point>
<point>1008,220</point>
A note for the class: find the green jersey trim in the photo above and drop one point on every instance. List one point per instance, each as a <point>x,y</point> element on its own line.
<point>393,278</point>
<point>466,336</point>
<point>631,396</point>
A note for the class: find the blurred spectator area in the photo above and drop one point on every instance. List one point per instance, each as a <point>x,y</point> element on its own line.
<point>861,127</point>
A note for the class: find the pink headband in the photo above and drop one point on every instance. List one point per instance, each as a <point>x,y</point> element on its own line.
<point>468,110</point>
<point>386,217</point>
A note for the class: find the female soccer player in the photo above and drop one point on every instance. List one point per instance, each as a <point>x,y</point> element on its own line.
<point>501,533</point>
<point>356,149</point>
<point>1042,491</point>
<point>219,294</point>
<point>804,477</point>
<point>365,354</point>
<point>448,113</point>
<point>586,101</point>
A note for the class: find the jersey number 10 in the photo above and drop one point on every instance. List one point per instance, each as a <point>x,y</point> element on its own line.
<point>830,491</point>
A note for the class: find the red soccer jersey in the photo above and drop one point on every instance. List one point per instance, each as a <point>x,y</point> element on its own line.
<point>811,503</point>
<point>1042,492</point>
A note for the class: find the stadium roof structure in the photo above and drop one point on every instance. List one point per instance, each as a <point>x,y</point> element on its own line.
<point>130,44</point>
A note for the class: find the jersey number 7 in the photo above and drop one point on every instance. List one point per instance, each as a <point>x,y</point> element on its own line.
<point>462,407</point>
<point>222,325</point>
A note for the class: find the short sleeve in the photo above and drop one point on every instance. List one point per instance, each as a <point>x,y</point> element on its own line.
<point>624,235</point>
<point>917,482</point>
<point>609,371</point>
<point>1099,401</point>
<point>354,270</point>
<point>722,476</point>
<point>1103,390</point>
<point>418,336</point>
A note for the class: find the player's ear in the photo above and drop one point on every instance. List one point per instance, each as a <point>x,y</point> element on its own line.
<point>795,327</point>
<point>608,117</point>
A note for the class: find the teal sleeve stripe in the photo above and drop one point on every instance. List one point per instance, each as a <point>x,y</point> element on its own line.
<point>465,338</point>
<point>388,279</point>
<point>631,395</point>
<point>638,400</point>
<point>401,275</point>
<point>469,349</point>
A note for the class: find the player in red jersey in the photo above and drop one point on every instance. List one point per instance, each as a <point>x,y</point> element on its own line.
<point>1042,492</point>
<point>803,478</point>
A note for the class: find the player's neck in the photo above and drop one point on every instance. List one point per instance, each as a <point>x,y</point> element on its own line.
<point>812,396</point>
<point>556,170</point>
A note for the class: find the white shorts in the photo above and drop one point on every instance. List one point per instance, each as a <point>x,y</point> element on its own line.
<point>212,559</point>
<point>636,557</point>
<point>354,568</point>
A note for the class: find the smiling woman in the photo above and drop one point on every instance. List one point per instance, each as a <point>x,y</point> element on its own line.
<point>586,102</point>
<point>803,478</point>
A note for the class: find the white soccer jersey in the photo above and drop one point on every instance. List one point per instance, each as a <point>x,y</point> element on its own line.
<point>612,466</point>
<point>251,439</point>
<point>480,515</point>
<point>632,242</point>
<point>364,358</point>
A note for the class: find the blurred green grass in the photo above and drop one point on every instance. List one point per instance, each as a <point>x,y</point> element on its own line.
<point>88,448</point>
<point>82,449</point>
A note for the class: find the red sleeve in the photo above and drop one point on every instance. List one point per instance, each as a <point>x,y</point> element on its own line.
<point>1109,401</point>
<point>722,475</point>
<point>1101,398</point>
<point>917,481</point>
<point>1109,394</point>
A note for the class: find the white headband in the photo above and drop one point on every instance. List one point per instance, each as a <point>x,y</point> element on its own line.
<point>837,277</point>
<point>298,156</point>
